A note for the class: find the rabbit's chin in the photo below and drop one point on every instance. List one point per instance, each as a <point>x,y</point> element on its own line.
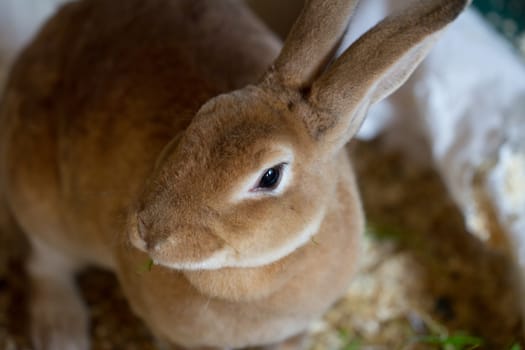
<point>228,257</point>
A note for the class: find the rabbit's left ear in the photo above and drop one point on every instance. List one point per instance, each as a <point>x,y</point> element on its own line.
<point>312,42</point>
<point>374,67</point>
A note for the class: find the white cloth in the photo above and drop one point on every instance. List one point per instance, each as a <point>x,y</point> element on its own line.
<point>466,104</point>
<point>19,19</point>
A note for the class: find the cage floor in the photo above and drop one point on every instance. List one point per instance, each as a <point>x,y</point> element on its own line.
<point>423,278</point>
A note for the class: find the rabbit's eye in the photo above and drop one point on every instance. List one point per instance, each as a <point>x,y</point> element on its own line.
<point>270,178</point>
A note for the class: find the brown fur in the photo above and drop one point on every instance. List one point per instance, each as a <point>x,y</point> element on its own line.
<point>109,158</point>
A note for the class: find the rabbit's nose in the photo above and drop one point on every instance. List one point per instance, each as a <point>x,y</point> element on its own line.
<point>137,236</point>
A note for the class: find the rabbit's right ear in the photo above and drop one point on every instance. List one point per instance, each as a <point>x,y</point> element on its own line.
<point>374,67</point>
<point>369,70</point>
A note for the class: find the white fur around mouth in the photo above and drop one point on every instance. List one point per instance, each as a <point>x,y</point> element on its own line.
<point>227,257</point>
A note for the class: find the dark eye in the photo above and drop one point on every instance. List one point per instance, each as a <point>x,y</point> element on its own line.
<point>270,178</point>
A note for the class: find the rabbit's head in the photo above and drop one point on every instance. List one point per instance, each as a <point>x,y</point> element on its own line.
<point>251,178</point>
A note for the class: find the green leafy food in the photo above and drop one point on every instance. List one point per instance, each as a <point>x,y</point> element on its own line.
<point>145,267</point>
<point>455,342</point>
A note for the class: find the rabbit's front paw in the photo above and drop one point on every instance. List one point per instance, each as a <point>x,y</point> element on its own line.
<point>298,342</point>
<point>59,318</point>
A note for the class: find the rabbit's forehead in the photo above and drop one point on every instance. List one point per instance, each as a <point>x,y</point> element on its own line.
<point>235,133</point>
<point>247,146</point>
<point>216,152</point>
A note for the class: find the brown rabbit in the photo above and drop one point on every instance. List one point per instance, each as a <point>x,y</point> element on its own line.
<point>108,158</point>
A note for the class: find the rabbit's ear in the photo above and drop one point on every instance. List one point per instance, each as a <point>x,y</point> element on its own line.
<point>374,67</point>
<point>312,41</point>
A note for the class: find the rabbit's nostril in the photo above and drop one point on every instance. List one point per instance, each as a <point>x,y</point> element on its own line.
<point>138,235</point>
<point>141,227</point>
<point>138,242</point>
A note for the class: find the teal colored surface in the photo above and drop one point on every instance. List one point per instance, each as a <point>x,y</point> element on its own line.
<point>508,16</point>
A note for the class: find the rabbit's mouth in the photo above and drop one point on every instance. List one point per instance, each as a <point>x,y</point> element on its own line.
<point>189,249</point>
<point>199,248</point>
<point>174,255</point>
<point>215,261</point>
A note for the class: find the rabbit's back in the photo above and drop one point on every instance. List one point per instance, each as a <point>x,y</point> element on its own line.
<point>97,95</point>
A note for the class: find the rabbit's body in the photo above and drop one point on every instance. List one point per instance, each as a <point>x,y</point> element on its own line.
<point>105,143</point>
<point>92,109</point>
<point>91,124</point>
